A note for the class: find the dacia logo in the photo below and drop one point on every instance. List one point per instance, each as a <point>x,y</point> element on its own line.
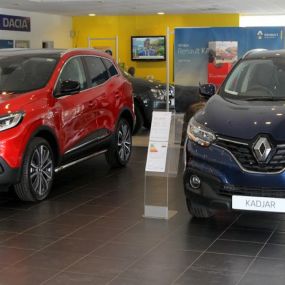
<point>15,23</point>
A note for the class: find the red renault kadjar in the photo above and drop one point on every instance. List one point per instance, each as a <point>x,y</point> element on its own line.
<point>57,108</point>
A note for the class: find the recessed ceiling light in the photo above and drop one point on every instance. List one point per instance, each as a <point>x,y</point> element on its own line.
<point>91,15</point>
<point>160,13</point>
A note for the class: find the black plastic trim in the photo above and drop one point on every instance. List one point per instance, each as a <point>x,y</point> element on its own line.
<point>8,175</point>
<point>206,195</point>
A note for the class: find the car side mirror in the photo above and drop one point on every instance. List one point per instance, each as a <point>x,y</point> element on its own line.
<point>68,87</point>
<point>207,90</point>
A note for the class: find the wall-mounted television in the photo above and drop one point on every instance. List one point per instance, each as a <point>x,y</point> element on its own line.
<point>148,48</point>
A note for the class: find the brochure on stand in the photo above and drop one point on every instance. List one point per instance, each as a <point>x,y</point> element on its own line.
<point>158,142</point>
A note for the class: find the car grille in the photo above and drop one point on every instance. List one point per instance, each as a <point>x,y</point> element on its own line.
<point>244,155</point>
<point>229,190</point>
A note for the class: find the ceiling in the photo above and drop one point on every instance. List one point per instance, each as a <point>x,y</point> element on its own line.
<point>137,7</point>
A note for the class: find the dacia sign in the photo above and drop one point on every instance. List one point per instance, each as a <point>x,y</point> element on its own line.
<point>15,23</point>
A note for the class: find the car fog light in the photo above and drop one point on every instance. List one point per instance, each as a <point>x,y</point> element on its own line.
<point>195,181</point>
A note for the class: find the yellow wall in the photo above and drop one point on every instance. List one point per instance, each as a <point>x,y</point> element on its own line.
<point>127,26</point>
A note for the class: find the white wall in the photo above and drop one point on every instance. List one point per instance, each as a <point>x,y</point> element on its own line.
<point>263,21</point>
<point>44,27</point>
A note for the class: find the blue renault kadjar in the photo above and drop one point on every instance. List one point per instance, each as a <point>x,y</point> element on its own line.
<point>235,147</point>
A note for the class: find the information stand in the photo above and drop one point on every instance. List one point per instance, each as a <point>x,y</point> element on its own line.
<point>162,163</point>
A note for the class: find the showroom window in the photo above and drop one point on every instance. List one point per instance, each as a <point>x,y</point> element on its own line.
<point>97,70</point>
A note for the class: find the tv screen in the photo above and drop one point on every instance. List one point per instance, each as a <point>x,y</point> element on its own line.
<point>148,48</point>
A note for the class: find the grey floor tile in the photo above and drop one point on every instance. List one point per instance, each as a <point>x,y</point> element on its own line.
<point>257,279</point>
<point>22,275</point>
<point>68,278</point>
<point>202,277</point>
<point>236,247</point>
<point>273,251</point>
<point>223,263</point>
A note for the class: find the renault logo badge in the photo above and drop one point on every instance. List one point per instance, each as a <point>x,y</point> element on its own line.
<point>262,149</point>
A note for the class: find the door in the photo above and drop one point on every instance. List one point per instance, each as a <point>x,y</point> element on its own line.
<point>103,103</point>
<point>72,108</point>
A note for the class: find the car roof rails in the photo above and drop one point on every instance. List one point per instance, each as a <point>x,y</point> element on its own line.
<point>253,51</point>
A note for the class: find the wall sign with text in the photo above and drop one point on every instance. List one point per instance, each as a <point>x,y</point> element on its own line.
<point>15,23</point>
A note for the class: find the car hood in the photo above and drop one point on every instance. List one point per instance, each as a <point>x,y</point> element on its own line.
<point>14,102</point>
<point>142,85</point>
<point>7,102</point>
<point>244,119</point>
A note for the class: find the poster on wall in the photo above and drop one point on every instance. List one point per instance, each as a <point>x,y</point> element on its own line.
<point>192,46</point>
<point>206,55</point>
<point>6,44</point>
<point>22,44</point>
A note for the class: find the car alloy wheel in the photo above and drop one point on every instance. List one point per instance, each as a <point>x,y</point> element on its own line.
<point>41,170</point>
<point>124,142</point>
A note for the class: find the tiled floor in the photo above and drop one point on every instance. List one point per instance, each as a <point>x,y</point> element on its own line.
<point>91,231</point>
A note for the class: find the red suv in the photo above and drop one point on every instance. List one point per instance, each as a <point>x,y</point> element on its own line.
<point>57,108</point>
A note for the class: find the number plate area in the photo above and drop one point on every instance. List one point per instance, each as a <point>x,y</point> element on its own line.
<point>263,204</point>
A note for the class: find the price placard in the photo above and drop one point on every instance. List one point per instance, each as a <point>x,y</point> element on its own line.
<point>158,142</point>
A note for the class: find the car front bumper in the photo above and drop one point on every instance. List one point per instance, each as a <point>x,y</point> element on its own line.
<point>221,178</point>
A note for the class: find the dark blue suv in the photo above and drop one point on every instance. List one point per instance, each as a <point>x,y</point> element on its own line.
<point>235,146</point>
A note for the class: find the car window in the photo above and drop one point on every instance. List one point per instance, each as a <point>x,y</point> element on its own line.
<point>73,70</point>
<point>20,74</point>
<point>257,78</point>
<point>97,70</point>
<point>110,66</point>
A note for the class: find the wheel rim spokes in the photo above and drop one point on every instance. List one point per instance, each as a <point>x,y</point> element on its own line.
<point>124,142</point>
<point>41,170</point>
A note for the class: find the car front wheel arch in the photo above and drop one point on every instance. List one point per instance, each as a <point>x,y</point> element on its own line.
<point>37,171</point>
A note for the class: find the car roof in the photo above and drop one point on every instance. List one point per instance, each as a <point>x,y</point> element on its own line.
<point>263,54</point>
<point>45,51</point>
<point>16,51</point>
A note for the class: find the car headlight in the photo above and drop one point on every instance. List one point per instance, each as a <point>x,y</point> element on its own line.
<point>199,133</point>
<point>159,94</point>
<point>10,121</point>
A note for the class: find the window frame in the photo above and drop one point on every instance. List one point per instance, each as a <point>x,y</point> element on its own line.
<point>107,59</point>
<point>88,71</point>
<point>60,73</point>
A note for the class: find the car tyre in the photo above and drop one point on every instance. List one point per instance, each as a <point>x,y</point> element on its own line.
<point>120,149</point>
<point>198,211</point>
<point>139,119</point>
<point>37,173</point>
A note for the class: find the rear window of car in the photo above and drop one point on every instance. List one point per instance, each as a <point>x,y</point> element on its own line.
<point>97,70</point>
<point>110,66</point>
<point>23,73</point>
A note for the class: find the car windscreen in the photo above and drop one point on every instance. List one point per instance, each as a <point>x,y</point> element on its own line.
<point>257,79</point>
<point>23,73</point>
